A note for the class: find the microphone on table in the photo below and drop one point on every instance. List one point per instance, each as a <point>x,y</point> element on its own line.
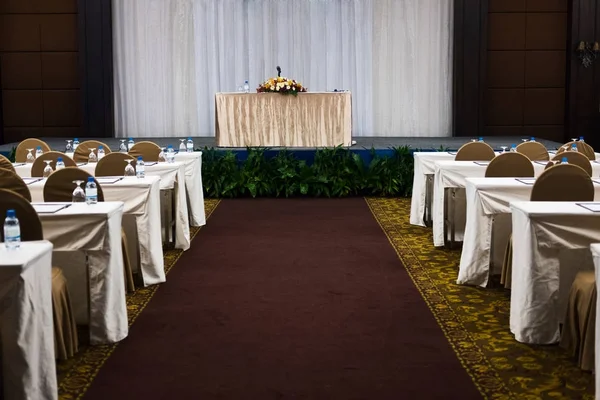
<point>278,71</point>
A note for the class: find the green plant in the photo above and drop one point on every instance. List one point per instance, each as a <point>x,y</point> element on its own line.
<point>13,154</point>
<point>335,172</point>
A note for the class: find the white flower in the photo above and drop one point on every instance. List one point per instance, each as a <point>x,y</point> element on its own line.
<point>277,88</point>
<point>287,87</point>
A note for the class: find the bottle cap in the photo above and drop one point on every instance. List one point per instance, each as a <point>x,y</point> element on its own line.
<point>76,139</point>
<point>59,159</point>
<point>190,138</point>
<point>39,147</point>
<point>11,213</point>
<point>513,145</point>
<point>580,137</point>
<point>564,159</point>
<point>140,158</point>
<point>532,138</point>
<point>169,147</point>
<point>90,179</point>
<point>100,147</point>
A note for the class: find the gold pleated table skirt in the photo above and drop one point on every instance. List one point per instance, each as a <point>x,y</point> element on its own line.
<point>275,120</point>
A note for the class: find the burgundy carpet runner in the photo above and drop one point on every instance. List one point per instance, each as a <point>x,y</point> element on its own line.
<point>286,299</point>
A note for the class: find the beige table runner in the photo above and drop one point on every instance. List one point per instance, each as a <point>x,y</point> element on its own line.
<point>275,120</point>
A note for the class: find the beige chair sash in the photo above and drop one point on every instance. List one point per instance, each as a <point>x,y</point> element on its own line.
<point>37,169</point>
<point>114,164</point>
<point>59,186</point>
<point>11,181</point>
<point>508,165</point>
<point>31,143</point>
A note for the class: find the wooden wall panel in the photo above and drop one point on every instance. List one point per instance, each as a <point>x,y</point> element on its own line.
<point>527,68</point>
<point>39,69</point>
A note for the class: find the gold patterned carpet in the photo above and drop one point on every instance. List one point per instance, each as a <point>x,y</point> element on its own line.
<point>476,321</point>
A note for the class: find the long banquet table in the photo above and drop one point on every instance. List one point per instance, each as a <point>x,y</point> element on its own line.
<point>540,282</point>
<point>26,327</point>
<point>317,119</point>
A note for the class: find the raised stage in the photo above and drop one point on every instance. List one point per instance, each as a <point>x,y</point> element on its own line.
<point>363,143</point>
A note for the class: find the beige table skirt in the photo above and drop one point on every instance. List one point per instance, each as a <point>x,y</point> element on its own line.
<point>275,120</point>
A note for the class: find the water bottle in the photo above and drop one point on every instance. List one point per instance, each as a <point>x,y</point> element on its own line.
<point>60,164</point>
<point>581,139</point>
<point>574,147</point>
<point>130,144</point>
<point>91,191</point>
<point>246,87</point>
<point>170,154</point>
<point>481,139</point>
<point>190,145</point>
<point>513,148</point>
<point>12,231</point>
<point>564,160</point>
<point>38,151</point>
<point>100,152</point>
<point>139,169</point>
<point>75,144</point>
<point>532,139</point>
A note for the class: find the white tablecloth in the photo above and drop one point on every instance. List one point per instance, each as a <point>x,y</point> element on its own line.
<point>487,198</point>
<point>541,231</point>
<point>96,230</point>
<point>169,173</point>
<point>26,331</point>
<point>193,185</point>
<point>452,174</point>
<point>596,256</point>
<point>141,198</point>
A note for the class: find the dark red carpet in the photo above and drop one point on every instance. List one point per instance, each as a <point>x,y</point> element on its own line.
<point>286,299</point>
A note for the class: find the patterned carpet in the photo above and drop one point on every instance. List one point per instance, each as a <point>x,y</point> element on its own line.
<point>76,374</point>
<point>476,321</point>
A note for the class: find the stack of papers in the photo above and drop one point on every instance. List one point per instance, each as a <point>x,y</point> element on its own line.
<point>107,180</point>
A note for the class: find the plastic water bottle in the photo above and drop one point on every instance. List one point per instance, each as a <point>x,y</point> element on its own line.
<point>246,87</point>
<point>38,151</point>
<point>581,139</point>
<point>139,169</point>
<point>532,139</point>
<point>574,147</point>
<point>91,191</point>
<point>564,160</point>
<point>75,144</point>
<point>513,148</point>
<point>60,164</point>
<point>101,152</point>
<point>190,145</point>
<point>130,144</point>
<point>481,139</point>
<point>12,231</point>
<point>170,154</point>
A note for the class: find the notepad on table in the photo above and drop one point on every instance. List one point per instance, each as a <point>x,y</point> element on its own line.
<point>149,164</point>
<point>594,207</point>
<point>49,208</point>
<point>482,163</point>
<point>79,164</point>
<point>452,153</point>
<point>596,181</point>
<point>18,164</point>
<point>29,181</point>
<point>527,181</point>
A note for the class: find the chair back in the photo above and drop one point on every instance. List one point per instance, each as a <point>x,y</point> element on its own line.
<point>550,164</point>
<point>583,148</point>
<point>510,165</point>
<point>59,186</point>
<point>576,158</point>
<point>114,164</point>
<point>475,151</point>
<point>11,181</point>
<point>563,182</point>
<point>149,151</point>
<point>31,143</point>
<point>37,169</point>
<point>31,227</point>
<point>535,151</point>
<point>6,164</point>
<point>82,152</point>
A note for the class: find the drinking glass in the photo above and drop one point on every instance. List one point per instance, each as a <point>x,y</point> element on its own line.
<point>182,146</point>
<point>162,156</point>
<point>69,146</point>
<point>92,158</point>
<point>30,156</point>
<point>504,148</point>
<point>524,140</point>
<point>78,193</point>
<point>573,139</point>
<point>47,169</point>
<point>123,146</point>
<point>129,170</point>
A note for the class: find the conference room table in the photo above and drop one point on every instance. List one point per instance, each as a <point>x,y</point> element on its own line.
<point>487,200</point>
<point>172,177</point>
<point>95,231</point>
<point>141,198</point>
<point>26,324</point>
<point>544,233</point>
<point>315,119</point>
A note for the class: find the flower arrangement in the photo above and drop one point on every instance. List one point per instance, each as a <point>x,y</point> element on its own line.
<point>281,85</point>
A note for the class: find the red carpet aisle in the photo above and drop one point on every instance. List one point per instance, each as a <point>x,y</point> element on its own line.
<point>286,299</point>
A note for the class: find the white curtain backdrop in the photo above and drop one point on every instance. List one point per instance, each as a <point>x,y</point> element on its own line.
<point>172,56</point>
